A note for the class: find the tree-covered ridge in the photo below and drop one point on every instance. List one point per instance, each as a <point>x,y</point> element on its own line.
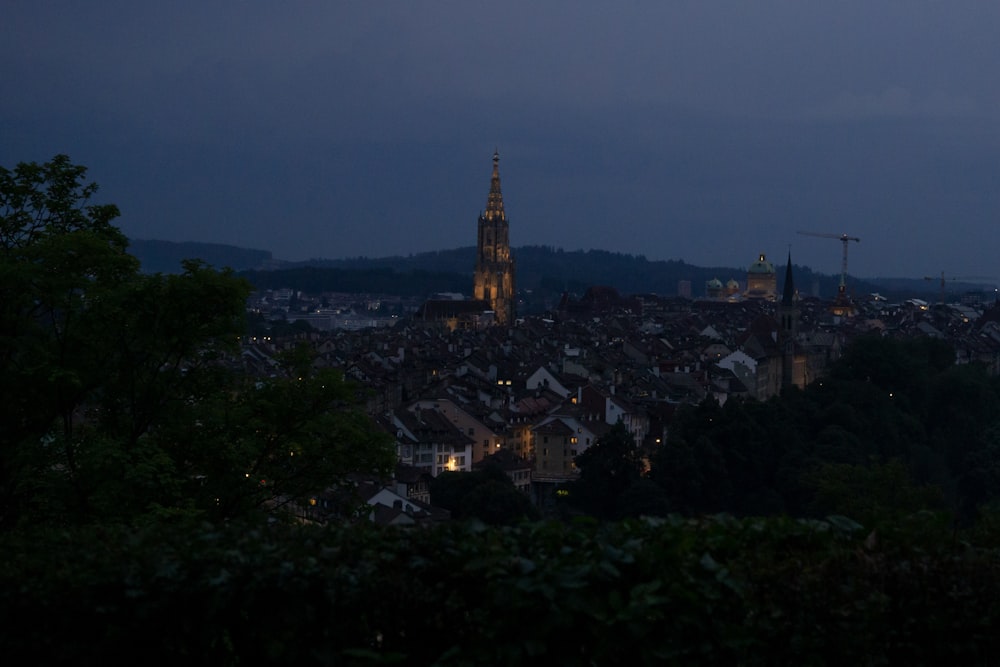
<point>314,280</point>
<point>168,256</point>
<point>538,268</point>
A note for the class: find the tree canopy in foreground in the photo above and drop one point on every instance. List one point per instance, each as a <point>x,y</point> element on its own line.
<point>712,591</point>
<point>121,394</point>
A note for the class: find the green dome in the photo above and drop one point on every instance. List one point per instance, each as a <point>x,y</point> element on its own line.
<point>714,283</point>
<point>761,266</point>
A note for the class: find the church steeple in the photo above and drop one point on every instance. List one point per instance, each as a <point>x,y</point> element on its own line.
<point>494,202</point>
<point>788,295</point>
<point>494,276</point>
<point>789,313</point>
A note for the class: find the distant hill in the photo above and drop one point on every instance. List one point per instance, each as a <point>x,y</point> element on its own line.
<point>166,256</point>
<point>377,280</point>
<point>554,271</point>
<point>548,272</point>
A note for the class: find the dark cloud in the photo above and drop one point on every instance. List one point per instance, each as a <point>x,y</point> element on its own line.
<point>703,131</point>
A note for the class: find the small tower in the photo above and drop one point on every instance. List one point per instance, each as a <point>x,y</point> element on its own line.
<point>494,277</point>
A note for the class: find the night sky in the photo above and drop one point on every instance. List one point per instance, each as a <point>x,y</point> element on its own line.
<point>695,130</point>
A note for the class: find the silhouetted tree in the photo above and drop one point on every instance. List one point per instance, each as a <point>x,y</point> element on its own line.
<point>643,498</point>
<point>607,468</point>
<point>487,494</point>
<point>498,503</point>
<point>119,398</point>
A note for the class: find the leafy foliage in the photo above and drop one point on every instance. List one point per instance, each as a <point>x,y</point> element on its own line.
<point>487,495</point>
<point>893,429</point>
<point>121,395</point>
<point>607,469</point>
<point>666,591</point>
<point>870,494</point>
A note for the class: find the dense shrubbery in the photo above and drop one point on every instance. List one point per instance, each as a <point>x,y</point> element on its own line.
<point>666,591</point>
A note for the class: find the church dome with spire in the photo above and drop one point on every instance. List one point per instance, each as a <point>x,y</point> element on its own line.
<point>762,280</point>
<point>761,266</point>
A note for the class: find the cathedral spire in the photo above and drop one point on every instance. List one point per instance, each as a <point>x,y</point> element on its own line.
<point>789,312</point>
<point>494,276</point>
<point>494,203</point>
<point>788,295</point>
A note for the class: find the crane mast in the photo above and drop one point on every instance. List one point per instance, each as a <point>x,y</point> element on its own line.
<point>845,239</point>
<point>943,279</point>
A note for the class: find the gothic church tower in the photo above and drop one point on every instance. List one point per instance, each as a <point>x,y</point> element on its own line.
<point>789,314</point>
<point>494,278</point>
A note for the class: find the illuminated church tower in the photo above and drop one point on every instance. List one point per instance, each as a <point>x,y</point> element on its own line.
<point>494,279</point>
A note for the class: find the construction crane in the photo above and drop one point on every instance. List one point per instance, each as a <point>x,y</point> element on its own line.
<point>844,238</point>
<point>953,278</point>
